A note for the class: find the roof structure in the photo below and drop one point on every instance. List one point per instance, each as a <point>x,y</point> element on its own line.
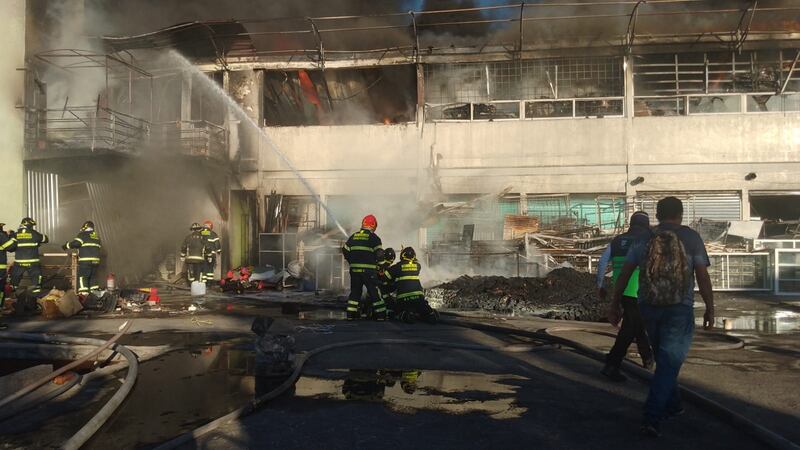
<point>507,31</point>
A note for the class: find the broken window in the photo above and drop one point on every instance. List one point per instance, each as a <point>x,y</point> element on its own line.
<point>524,89</point>
<point>340,97</point>
<point>713,82</point>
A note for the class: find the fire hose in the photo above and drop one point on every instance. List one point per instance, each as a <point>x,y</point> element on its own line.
<point>94,424</point>
<point>768,437</point>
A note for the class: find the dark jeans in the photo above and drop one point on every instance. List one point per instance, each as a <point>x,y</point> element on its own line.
<point>86,273</point>
<point>670,329</point>
<point>360,280</point>
<point>632,329</point>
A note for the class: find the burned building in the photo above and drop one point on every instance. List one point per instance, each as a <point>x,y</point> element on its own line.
<point>575,114</point>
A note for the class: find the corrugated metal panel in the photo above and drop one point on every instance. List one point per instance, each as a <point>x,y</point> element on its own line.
<point>43,201</point>
<point>721,206</point>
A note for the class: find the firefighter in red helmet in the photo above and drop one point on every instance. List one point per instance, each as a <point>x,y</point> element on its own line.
<point>362,251</point>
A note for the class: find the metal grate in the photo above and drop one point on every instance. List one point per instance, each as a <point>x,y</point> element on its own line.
<point>577,77</point>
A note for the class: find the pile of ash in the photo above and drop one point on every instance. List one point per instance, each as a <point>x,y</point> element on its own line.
<point>564,294</point>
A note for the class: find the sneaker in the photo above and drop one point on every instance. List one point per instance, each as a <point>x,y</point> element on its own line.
<point>649,429</point>
<point>613,374</point>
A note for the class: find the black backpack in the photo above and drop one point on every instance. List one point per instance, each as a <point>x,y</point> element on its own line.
<point>666,270</point>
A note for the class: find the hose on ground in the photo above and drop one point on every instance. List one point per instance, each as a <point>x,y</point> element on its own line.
<point>46,379</point>
<point>733,342</point>
<point>90,428</point>
<point>305,357</point>
<point>763,434</point>
<point>37,397</point>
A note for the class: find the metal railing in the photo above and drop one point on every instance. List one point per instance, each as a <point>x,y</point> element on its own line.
<point>526,109</point>
<point>740,271</point>
<point>85,127</point>
<point>193,138</point>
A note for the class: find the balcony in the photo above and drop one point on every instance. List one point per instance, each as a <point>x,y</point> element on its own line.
<point>83,128</point>
<point>198,138</point>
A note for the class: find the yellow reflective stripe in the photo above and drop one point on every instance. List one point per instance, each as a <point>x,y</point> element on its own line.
<point>410,294</point>
<point>91,244</point>
<point>3,266</point>
<point>196,258</point>
<point>88,259</point>
<point>362,248</point>
<point>26,261</point>
<point>213,240</point>
<point>27,244</point>
<point>78,239</point>
<point>363,266</point>
<point>408,278</point>
<point>352,302</point>
<point>346,247</point>
<point>7,244</point>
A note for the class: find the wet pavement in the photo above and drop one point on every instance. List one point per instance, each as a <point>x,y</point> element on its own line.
<point>396,396</point>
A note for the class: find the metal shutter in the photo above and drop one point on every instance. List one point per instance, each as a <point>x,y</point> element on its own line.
<point>722,206</point>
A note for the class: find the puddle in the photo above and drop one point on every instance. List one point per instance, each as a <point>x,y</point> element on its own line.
<point>411,390</point>
<point>774,322</point>
<point>183,390</point>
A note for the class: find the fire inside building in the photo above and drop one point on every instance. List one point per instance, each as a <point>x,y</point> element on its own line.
<point>495,138</point>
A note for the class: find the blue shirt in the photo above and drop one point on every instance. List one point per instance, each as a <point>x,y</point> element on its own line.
<point>695,253</point>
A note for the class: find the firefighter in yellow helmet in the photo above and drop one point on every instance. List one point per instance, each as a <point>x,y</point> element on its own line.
<point>410,297</point>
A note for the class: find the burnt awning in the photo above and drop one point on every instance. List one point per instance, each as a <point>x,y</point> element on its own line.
<point>207,39</point>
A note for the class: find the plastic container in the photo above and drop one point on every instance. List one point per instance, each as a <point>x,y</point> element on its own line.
<point>198,288</point>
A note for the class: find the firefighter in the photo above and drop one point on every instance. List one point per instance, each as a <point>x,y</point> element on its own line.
<point>363,251</point>
<point>410,298</point>
<point>386,287</point>
<point>194,252</point>
<point>213,242</point>
<point>6,245</point>
<point>88,244</point>
<point>26,257</point>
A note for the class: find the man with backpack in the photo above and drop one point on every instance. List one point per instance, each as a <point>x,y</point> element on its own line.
<point>668,261</point>
<point>632,326</point>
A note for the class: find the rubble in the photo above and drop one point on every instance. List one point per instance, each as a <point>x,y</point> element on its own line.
<point>564,293</point>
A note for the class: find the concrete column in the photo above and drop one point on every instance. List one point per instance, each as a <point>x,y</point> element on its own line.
<point>745,204</point>
<point>247,88</point>
<point>12,128</point>
<point>186,96</point>
<point>630,151</point>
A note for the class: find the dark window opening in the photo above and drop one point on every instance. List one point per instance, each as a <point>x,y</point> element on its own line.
<point>384,95</point>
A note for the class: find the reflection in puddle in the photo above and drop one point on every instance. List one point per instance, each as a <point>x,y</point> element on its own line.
<point>408,391</point>
<point>774,322</point>
<point>183,390</point>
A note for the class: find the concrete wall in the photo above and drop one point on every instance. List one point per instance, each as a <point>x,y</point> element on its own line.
<point>11,119</point>
<point>711,152</point>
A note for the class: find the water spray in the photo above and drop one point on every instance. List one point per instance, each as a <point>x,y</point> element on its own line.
<point>249,120</point>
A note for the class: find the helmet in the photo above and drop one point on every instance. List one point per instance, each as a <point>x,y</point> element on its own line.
<point>408,254</point>
<point>369,222</point>
<point>389,255</point>
<point>208,224</point>
<point>196,227</point>
<point>28,222</point>
<point>88,225</point>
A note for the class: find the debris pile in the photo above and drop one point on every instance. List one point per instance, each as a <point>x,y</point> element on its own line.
<point>564,293</point>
